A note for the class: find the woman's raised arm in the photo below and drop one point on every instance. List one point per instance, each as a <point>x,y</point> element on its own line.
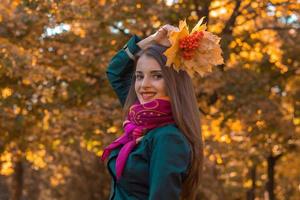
<point>121,66</point>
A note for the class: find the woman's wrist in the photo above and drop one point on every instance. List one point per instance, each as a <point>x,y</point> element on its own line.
<point>146,42</point>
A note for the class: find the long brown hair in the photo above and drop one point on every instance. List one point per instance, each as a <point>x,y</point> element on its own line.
<point>185,111</point>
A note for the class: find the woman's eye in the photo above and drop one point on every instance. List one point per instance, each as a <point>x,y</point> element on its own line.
<point>158,76</point>
<point>138,77</point>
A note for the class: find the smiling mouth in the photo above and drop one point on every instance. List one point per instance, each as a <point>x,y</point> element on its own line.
<point>147,95</point>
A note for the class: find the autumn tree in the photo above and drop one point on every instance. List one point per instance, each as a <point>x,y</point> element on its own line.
<point>57,110</point>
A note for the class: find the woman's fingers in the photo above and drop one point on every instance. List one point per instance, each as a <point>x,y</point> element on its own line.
<point>164,31</point>
<point>161,35</point>
<point>169,27</point>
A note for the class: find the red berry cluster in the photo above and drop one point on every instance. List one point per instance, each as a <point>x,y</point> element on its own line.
<point>189,44</point>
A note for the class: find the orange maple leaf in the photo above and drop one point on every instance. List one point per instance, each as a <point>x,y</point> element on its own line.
<point>207,54</point>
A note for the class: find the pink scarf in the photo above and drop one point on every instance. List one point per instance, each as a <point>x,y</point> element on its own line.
<point>140,119</point>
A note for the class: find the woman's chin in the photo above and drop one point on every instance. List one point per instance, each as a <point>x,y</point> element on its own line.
<point>143,101</point>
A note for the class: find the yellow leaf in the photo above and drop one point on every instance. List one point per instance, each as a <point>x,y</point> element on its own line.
<point>199,27</point>
<point>112,129</point>
<point>6,92</point>
<point>6,161</point>
<point>102,2</point>
<point>174,37</point>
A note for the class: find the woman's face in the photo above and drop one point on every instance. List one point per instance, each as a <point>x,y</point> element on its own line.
<point>149,83</point>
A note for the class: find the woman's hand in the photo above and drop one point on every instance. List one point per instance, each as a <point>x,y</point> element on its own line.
<point>161,36</point>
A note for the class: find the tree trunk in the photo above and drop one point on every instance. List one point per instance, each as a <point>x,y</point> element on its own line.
<point>17,182</point>
<point>204,11</point>
<point>226,33</point>
<point>251,192</point>
<point>271,173</point>
<point>4,190</point>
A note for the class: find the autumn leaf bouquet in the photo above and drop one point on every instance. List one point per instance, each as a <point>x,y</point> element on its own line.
<point>195,52</point>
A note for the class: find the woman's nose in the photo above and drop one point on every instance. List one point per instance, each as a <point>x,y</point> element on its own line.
<point>146,82</point>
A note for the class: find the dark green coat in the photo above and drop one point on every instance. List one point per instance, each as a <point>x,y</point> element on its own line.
<point>157,166</point>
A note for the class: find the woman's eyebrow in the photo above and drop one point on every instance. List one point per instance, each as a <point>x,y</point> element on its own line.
<point>156,71</point>
<point>153,71</point>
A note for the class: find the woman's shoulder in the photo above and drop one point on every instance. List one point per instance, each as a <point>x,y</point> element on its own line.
<point>169,134</point>
<point>169,129</point>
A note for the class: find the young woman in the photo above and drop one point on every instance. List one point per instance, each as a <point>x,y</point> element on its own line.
<point>159,156</point>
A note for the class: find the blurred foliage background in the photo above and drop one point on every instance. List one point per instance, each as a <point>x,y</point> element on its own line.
<point>57,110</point>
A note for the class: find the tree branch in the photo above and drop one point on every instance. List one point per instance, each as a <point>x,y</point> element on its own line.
<point>205,11</point>
<point>122,30</point>
<point>230,23</point>
<point>221,6</point>
<point>277,28</point>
